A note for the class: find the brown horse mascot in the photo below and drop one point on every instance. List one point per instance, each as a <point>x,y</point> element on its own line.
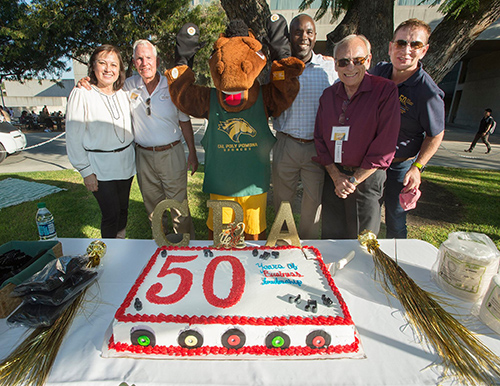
<point>237,140</point>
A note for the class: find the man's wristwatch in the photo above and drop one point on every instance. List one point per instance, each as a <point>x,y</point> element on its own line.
<point>420,167</point>
<point>353,181</point>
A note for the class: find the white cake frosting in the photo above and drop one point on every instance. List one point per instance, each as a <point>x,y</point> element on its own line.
<point>236,304</point>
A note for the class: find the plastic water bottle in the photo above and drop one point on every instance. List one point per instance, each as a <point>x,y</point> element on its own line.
<point>45,223</point>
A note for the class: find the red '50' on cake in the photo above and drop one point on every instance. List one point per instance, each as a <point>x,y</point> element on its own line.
<point>234,304</point>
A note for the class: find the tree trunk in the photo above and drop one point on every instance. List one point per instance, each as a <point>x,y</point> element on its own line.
<point>374,19</point>
<point>253,12</point>
<point>453,37</point>
<point>449,42</point>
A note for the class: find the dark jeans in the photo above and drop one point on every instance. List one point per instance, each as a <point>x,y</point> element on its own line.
<point>395,216</point>
<point>113,197</point>
<point>347,218</point>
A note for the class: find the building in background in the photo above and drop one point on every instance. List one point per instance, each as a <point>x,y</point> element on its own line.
<point>32,95</point>
<point>472,86</point>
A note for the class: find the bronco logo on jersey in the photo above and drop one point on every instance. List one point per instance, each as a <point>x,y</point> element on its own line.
<point>235,127</point>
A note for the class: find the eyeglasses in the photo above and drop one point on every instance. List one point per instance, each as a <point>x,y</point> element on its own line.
<point>148,103</point>
<point>355,61</point>
<point>416,45</point>
<point>342,115</point>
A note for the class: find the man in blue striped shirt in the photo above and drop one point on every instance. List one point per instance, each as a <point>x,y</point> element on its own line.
<point>294,149</point>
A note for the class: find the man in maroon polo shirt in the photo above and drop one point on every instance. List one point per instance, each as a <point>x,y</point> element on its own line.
<point>355,135</point>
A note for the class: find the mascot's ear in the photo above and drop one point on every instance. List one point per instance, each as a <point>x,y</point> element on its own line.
<point>253,43</point>
<point>251,34</point>
<point>277,37</point>
<point>187,44</point>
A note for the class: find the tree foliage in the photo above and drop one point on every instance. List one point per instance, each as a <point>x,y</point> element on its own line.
<point>24,52</point>
<point>456,33</point>
<point>463,22</point>
<point>53,28</point>
<point>253,13</point>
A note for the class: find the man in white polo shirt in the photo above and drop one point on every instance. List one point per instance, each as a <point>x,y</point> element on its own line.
<point>158,130</point>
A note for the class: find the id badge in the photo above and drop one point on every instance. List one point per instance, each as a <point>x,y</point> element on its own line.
<point>339,134</point>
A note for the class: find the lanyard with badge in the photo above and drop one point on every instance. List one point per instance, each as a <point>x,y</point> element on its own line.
<point>340,133</point>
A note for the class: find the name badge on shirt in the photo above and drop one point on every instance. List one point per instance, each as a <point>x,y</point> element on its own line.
<point>339,134</point>
<point>134,96</point>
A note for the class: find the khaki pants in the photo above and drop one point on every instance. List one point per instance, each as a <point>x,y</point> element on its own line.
<point>291,162</point>
<point>163,175</point>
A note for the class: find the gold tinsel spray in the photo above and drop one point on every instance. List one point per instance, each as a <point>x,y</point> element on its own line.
<point>30,363</point>
<point>463,355</point>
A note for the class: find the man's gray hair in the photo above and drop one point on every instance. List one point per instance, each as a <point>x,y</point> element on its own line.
<point>349,38</point>
<point>144,42</point>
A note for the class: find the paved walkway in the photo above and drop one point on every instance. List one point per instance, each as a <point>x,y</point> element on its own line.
<point>456,140</point>
<point>52,156</point>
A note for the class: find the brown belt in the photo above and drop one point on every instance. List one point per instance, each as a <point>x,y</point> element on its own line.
<point>298,139</point>
<point>348,168</point>
<point>160,148</point>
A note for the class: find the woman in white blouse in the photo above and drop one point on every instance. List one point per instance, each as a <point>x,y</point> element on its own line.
<point>99,138</point>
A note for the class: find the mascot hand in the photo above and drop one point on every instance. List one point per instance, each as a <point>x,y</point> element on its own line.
<point>187,44</point>
<point>277,37</point>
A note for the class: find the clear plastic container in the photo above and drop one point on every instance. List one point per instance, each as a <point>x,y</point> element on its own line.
<point>45,223</point>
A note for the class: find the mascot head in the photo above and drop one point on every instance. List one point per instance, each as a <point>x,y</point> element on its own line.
<point>237,59</point>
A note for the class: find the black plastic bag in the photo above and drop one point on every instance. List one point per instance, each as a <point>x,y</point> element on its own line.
<point>73,285</point>
<point>52,276</point>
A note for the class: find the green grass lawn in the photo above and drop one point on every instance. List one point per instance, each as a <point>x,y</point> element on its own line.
<point>77,214</point>
<point>478,191</point>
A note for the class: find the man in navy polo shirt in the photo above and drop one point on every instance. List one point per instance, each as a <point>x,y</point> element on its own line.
<point>422,118</point>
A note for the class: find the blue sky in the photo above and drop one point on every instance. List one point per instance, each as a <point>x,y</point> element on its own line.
<point>69,74</point>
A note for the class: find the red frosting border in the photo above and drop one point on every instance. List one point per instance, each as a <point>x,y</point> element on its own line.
<point>216,350</point>
<point>234,320</point>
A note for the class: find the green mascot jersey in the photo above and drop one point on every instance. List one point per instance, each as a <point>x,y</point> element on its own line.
<point>237,147</point>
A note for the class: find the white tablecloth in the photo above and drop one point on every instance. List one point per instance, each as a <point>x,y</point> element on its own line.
<point>394,356</point>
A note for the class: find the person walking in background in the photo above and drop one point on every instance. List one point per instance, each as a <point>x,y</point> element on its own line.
<point>294,149</point>
<point>487,123</point>
<point>355,135</point>
<point>422,118</point>
<point>99,138</point>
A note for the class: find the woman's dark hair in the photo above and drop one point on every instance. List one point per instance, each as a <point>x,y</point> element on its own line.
<point>121,73</point>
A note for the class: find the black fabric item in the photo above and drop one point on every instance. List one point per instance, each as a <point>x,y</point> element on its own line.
<point>278,37</point>
<point>187,44</point>
<point>14,261</point>
<point>113,199</point>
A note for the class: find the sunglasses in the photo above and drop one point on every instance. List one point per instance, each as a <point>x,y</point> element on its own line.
<point>416,45</point>
<point>355,61</point>
<point>148,103</point>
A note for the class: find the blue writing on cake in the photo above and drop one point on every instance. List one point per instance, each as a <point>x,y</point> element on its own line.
<point>278,281</point>
<point>269,266</point>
